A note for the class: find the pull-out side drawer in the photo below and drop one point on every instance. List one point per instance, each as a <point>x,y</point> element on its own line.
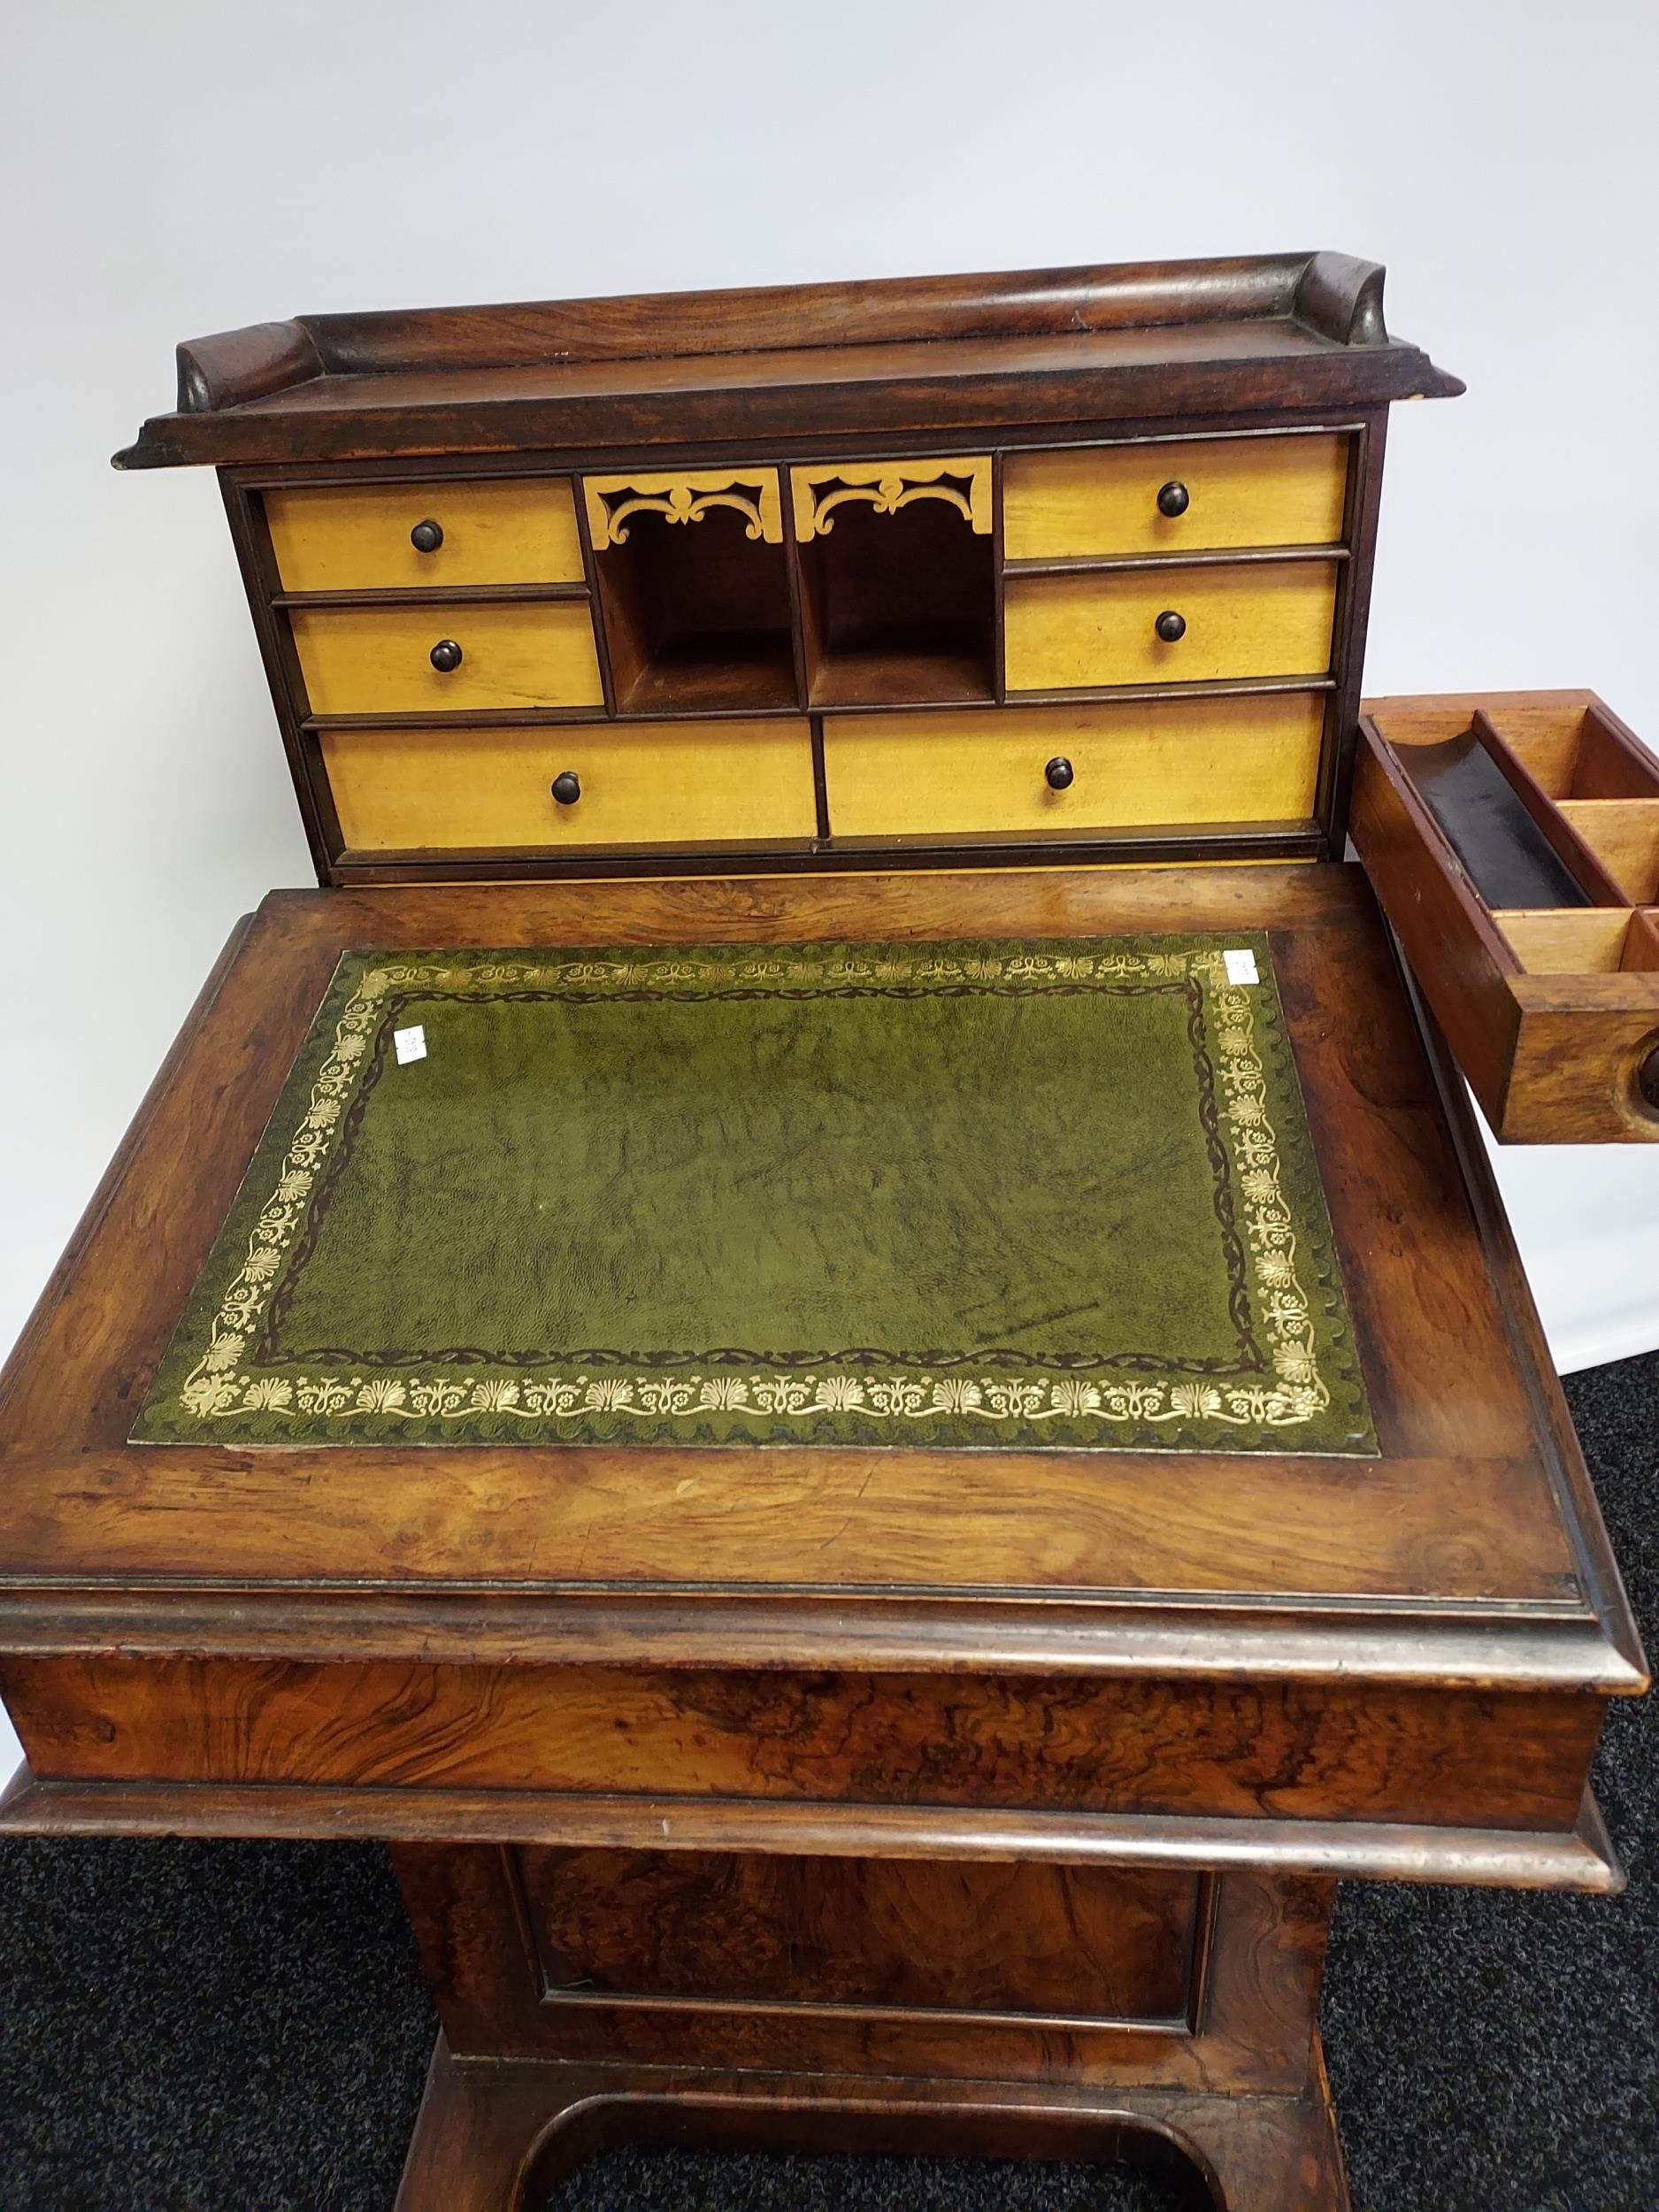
<point>1221,622</point>
<point>1065,769</point>
<point>437,659</point>
<point>405,537</point>
<point>1513,841</point>
<point>459,790</point>
<point>1201,495</point>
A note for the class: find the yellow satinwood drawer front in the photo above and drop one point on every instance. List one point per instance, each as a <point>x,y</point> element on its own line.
<point>692,782</point>
<point>410,536</point>
<point>1194,496</point>
<point>1140,763</point>
<point>1222,622</point>
<point>379,659</point>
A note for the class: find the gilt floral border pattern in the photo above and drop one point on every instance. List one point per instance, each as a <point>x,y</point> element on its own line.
<point>222,1398</point>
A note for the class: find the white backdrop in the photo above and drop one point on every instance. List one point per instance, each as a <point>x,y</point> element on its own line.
<point>185,166</point>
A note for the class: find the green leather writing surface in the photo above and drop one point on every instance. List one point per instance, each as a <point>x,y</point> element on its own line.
<point>947,1194</point>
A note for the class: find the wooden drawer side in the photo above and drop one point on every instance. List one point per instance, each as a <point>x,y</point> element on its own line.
<point>1101,502</point>
<point>475,790</point>
<point>361,537</point>
<point>378,660</point>
<point>1141,764</point>
<point>1238,622</point>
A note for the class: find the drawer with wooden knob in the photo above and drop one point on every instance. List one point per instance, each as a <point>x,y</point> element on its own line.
<point>1062,770</point>
<point>584,784</point>
<point>403,658</point>
<point>412,536</point>
<point>1213,622</point>
<point>1188,496</point>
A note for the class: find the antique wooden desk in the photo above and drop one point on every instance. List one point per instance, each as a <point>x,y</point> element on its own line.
<point>840,795</point>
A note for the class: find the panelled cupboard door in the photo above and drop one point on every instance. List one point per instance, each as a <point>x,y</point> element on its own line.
<point>1225,622</point>
<point>1062,770</point>
<point>588,784</point>
<point>426,659</point>
<point>1188,496</point>
<point>410,536</point>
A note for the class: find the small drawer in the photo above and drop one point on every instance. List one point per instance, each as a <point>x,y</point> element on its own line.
<point>1229,621</point>
<point>1513,842</point>
<point>1202,496</point>
<point>403,536</point>
<point>1065,770</point>
<point>694,782</point>
<point>441,659</point>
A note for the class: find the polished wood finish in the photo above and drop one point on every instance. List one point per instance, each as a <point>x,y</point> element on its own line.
<point>1068,632</point>
<point>447,789</point>
<point>359,537</point>
<point>1132,764</point>
<point>1073,502</point>
<point>896,1799</point>
<point>380,660</point>
<point>1552,1014</point>
<point>1303,330</point>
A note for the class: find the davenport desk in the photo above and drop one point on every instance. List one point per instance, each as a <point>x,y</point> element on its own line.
<point>830,1329</point>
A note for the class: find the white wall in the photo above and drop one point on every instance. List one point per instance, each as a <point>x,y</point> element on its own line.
<point>186,166</point>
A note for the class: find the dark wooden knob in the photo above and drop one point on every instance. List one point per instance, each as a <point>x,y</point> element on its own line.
<point>1648,1078</point>
<point>445,656</point>
<point>427,537</point>
<point>567,787</point>
<point>1171,627</point>
<point>1058,774</point>
<point>1173,498</point>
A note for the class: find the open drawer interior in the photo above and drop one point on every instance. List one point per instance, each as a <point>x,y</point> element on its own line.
<point>1513,840</point>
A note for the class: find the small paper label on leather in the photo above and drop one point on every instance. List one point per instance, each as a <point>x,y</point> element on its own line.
<point>410,1044</point>
<point>1241,966</point>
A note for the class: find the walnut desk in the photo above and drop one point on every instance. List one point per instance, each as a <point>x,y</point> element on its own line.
<point>877,1430</point>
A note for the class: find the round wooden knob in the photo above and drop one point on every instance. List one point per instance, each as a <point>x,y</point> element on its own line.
<point>567,787</point>
<point>1059,774</point>
<point>1171,627</point>
<point>1173,498</point>
<point>428,536</point>
<point>445,656</point>
<point>1647,1079</point>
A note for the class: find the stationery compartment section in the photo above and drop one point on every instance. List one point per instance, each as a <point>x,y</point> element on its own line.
<point>898,580</point>
<point>1065,770</point>
<point>1514,843</point>
<point>1147,625</point>
<point>436,657</point>
<point>584,784</point>
<point>403,535</point>
<point>1165,497</point>
<point>694,584</point>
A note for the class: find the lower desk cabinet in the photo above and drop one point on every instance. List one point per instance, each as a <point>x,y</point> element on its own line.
<point>570,787</point>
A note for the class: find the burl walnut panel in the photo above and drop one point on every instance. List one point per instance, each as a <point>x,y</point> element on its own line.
<point>1315,1750</point>
<point>890,1933</point>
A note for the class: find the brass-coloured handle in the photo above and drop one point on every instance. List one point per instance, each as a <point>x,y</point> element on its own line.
<point>428,536</point>
<point>567,787</point>
<point>1173,498</point>
<point>1059,774</point>
<point>445,656</point>
<point>1171,627</point>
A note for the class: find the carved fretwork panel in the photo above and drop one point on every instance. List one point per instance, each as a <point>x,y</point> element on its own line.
<point>889,485</point>
<point>683,496</point>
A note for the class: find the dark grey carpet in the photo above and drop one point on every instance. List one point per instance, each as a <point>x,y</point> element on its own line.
<point>240,2027</point>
